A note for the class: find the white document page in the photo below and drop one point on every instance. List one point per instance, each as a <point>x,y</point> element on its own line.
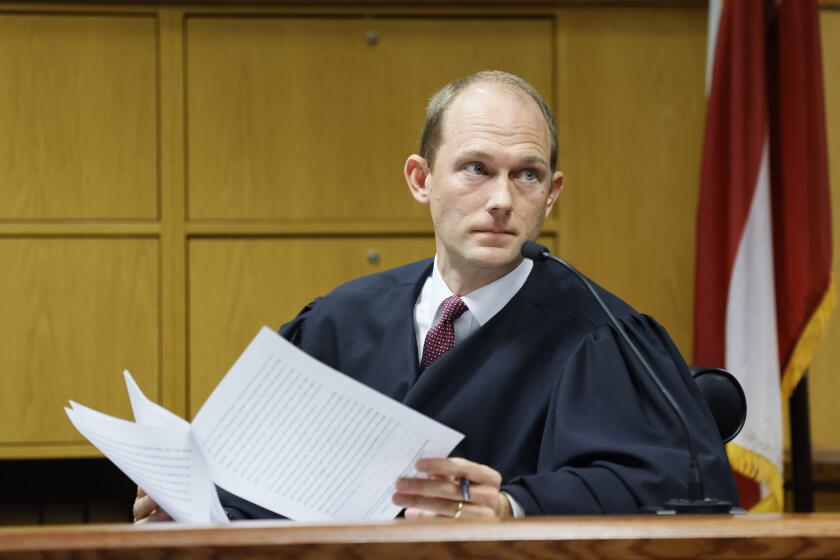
<point>146,411</point>
<point>149,413</point>
<point>299,438</point>
<point>163,460</point>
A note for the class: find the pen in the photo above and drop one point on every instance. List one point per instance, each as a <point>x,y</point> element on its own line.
<point>465,488</point>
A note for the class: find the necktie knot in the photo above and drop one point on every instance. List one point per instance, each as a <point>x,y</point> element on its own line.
<point>452,308</point>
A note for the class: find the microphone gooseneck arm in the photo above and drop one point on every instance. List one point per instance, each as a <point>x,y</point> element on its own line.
<point>696,492</point>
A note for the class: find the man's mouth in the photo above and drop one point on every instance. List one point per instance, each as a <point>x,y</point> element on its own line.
<point>494,231</point>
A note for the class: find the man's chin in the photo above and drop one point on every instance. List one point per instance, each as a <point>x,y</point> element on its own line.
<point>495,257</point>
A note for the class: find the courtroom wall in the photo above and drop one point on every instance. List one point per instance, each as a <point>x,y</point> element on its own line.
<point>173,176</point>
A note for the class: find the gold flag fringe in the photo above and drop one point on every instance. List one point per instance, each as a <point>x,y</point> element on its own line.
<point>805,347</point>
<point>759,468</point>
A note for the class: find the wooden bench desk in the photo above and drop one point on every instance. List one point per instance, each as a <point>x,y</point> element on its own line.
<point>749,536</point>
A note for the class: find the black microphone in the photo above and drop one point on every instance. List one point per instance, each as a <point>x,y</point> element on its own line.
<point>696,501</point>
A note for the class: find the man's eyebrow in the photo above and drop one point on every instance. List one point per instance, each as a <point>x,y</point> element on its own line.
<point>474,154</point>
<point>480,154</point>
<point>535,159</point>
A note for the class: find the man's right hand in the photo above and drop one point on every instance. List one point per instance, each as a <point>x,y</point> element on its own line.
<point>146,509</point>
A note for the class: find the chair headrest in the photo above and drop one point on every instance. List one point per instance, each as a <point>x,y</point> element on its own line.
<point>725,398</point>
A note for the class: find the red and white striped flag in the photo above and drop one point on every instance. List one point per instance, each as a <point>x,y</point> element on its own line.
<point>764,292</point>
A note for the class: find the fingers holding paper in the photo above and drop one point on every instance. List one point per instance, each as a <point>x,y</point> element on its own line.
<point>147,510</point>
<point>442,494</point>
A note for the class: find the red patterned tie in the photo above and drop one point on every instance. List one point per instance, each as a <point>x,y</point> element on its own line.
<point>441,337</point>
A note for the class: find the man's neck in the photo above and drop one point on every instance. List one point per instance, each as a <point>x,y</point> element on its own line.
<point>464,279</point>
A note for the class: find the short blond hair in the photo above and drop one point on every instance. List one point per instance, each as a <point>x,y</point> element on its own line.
<point>430,138</point>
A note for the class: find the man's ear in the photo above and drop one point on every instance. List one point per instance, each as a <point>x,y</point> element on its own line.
<point>417,175</point>
<point>554,191</point>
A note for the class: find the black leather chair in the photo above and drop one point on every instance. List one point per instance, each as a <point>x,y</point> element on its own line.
<point>725,399</point>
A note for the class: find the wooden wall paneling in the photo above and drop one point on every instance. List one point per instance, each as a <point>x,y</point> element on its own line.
<point>630,111</point>
<point>293,118</point>
<point>79,117</point>
<point>824,375</point>
<point>173,211</point>
<point>75,229</point>
<point>76,312</point>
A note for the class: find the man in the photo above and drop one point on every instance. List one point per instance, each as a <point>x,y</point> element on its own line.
<point>558,417</point>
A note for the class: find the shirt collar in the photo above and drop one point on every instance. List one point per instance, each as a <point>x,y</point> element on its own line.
<point>488,300</point>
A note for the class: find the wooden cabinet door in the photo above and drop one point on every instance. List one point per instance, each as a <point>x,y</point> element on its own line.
<point>76,312</point>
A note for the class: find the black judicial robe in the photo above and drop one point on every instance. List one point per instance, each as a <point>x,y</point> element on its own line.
<point>545,392</point>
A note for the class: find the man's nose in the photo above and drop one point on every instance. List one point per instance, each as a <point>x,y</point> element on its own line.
<point>500,196</point>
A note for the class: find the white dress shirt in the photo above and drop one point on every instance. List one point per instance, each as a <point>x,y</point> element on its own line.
<point>482,304</point>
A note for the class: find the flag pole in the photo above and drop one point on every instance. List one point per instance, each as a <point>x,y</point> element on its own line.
<point>800,448</point>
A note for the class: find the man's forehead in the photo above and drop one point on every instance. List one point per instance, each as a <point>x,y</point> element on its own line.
<point>497,112</point>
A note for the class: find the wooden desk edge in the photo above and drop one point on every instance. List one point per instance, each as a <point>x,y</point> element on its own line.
<point>823,527</point>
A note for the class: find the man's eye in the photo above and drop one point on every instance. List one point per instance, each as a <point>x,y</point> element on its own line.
<point>476,169</point>
<point>529,175</point>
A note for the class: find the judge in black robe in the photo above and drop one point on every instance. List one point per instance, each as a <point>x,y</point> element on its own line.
<point>545,392</point>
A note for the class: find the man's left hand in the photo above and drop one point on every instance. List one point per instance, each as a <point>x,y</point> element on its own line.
<point>439,495</point>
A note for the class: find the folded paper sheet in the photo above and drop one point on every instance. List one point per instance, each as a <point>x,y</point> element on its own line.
<point>163,460</point>
<point>281,430</point>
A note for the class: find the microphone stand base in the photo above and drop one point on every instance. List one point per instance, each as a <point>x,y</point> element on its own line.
<point>696,507</point>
